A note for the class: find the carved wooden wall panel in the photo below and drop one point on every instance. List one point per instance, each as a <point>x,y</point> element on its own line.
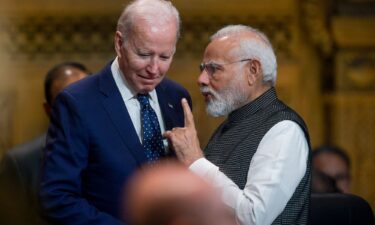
<point>40,37</point>
<point>353,128</point>
<point>43,36</point>
<point>352,115</point>
<point>355,71</point>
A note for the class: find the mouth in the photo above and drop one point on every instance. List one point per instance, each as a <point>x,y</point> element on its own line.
<point>148,77</point>
<point>207,96</point>
<point>148,80</point>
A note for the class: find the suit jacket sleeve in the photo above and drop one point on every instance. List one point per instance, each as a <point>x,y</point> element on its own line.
<point>66,157</point>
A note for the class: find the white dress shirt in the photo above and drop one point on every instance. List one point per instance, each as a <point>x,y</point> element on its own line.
<point>275,171</point>
<point>132,105</point>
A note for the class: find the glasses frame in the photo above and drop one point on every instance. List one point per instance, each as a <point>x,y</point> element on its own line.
<point>215,66</point>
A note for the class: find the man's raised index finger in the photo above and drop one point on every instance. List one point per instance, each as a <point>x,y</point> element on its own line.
<point>189,119</point>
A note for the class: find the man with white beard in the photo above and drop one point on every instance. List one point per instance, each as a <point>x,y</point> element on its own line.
<point>259,157</point>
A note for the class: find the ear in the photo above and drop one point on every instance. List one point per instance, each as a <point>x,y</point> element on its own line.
<point>254,72</point>
<point>119,41</point>
<point>47,109</point>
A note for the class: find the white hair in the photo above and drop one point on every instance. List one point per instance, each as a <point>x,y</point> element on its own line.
<point>259,48</point>
<point>160,11</point>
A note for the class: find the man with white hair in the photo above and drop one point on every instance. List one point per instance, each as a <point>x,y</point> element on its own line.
<point>107,126</point>
<point>259,157</point>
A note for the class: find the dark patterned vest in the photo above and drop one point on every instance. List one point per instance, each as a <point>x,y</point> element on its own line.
<point>234,143</point>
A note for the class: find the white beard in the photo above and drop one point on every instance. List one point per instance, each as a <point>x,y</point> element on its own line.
<point>224,101</point>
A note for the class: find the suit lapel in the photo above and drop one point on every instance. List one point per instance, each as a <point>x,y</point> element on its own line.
<point>116,109</point>
<point>168,108</point>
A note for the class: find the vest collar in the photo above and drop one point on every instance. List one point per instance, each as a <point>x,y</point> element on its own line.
<point>254,106</point>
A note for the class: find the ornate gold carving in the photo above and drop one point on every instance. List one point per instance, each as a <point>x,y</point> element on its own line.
<point>315,22</point>
<point>48,36</point>
<point>196,31</point>
<point>355,70</point>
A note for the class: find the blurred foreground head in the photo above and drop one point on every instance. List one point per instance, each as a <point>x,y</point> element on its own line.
<point>167,193</point>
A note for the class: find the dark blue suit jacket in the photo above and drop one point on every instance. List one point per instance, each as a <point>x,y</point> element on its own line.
<point>92,149</point>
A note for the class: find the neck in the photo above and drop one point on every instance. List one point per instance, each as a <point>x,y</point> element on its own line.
<point>258,90</point>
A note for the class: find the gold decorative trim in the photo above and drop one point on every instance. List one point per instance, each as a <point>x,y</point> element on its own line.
<point>355,70</point>
<point>48,36</point>
<point>315,22</point>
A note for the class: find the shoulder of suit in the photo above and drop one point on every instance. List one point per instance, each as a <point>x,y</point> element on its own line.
<point>168,83</point>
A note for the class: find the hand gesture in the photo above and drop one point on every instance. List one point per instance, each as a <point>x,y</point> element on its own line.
<point>184,140</point>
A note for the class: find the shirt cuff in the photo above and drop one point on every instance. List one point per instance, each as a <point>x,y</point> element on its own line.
<point>203,168</point>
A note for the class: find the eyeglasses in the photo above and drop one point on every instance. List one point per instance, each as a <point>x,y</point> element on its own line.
<point>212,67</point>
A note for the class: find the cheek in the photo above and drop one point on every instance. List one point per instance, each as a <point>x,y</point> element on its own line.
<point>215,86</point>
<point>219,84</point>
<point>137,64</point>
<point>164,67</point>
<point>133,63</point>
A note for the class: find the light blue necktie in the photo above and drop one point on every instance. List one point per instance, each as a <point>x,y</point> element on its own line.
<point>152,139</point>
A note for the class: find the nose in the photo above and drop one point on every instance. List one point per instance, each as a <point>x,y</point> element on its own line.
<point>203,78</point>
<point>153,66</point>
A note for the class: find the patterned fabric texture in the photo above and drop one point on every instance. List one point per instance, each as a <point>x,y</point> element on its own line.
<point>152,139</point>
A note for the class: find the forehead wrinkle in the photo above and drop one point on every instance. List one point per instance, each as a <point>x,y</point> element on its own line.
<point>145,31</point>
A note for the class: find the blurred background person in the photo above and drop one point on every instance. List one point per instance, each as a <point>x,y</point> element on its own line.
<point>322,183</point>
<point>331,166</point>
<point>169,194</point>
<point>20,166</point>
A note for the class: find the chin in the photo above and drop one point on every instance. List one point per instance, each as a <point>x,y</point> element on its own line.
<point>146,88</point>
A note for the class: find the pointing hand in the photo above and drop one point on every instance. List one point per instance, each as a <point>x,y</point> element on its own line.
<point>184,140</point>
